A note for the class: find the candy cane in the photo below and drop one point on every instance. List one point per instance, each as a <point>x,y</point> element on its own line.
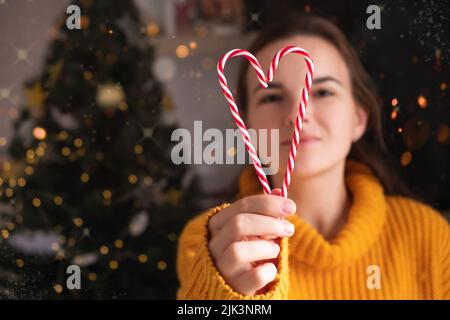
<point>263,81</point>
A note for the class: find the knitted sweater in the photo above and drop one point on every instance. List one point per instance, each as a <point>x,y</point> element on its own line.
<point>403,243</point>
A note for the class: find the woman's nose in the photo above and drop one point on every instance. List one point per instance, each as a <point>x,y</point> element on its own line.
<point>292,116</point>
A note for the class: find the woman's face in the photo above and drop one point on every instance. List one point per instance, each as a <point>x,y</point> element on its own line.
<point>333,119</point>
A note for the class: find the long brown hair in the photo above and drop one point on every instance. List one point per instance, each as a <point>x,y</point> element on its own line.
<point>370,149</point>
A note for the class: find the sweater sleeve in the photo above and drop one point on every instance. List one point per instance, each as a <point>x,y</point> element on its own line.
<point>445,259</point>
<point>200,279</point>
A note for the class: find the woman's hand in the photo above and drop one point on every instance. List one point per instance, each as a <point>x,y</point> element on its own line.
<point>242,235</point>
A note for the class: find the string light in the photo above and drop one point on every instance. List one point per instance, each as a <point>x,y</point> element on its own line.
<point>30,154</point>
<point>193,45</point>
<point>39,133</point>
<point>84,177</point>
<point>62,135</point>
<point>113,264</point>
<point>87,75</point>
<point>78,143</point>
<point>182,51</point>
<point>142,258</point>
<point>40,151</point>
<point>162,265</point>
<point>20,263</point>
<point>422,102</point>
<point>29,170</point>
<point>9,192</point>
<point>5,234</point>
<point>42,144</point>
<point>104,250</point>
<point>153,29</point>
<point>58,200</point>
<point>406,158</point>
<point>106,194</point>
<point>118,244</point>
<point>58,288</point>
<point>132,179</point>
<point>148,180</point>
<point>442,135</point>
<point>36,202</point>
<point>65,151</point>
<point>92,276</point>
<point>394,114</point>
<point>12,182</point>
<point>78,222</point>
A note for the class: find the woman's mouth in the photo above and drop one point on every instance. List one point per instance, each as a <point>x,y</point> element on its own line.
<point>303,140</point>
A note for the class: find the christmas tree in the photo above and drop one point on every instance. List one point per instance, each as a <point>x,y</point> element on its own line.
<point>90,181</point>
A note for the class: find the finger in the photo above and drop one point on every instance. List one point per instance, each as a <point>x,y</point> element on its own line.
<point>251,281</point>
<point>270,205</point>
<point>245,225</point>
<point>239,256</point>
<point>276,192</point>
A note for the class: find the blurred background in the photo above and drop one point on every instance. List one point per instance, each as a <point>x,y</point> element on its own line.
<point>87,116</point>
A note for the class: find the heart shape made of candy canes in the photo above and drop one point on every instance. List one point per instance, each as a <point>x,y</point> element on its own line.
<point>263,81</point>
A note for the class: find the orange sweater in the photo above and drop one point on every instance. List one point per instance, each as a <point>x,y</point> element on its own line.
<point>408,243</point>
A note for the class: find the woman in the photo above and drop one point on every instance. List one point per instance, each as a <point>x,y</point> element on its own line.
<point>348,234</point>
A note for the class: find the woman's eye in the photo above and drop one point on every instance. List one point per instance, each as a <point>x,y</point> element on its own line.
<point>270,98</point>
<point>322,93</point>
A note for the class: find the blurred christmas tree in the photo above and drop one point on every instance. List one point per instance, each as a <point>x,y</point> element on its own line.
<point>90,181</point>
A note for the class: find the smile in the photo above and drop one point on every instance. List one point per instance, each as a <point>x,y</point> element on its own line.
<point>303,140</point>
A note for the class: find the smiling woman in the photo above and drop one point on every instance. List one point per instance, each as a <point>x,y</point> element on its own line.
<point>371,148</point>
<point>346,231</point>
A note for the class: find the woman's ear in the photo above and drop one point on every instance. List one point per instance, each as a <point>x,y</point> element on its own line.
<point>360,124</point>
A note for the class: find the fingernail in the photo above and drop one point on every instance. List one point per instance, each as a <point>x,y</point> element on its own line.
<point>287,207</point>
<point>288,227</point>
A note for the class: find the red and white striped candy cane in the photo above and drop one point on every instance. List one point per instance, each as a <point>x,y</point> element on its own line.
<point>263,81</point>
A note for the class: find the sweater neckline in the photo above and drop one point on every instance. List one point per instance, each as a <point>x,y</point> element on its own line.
<point>366,216</point>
